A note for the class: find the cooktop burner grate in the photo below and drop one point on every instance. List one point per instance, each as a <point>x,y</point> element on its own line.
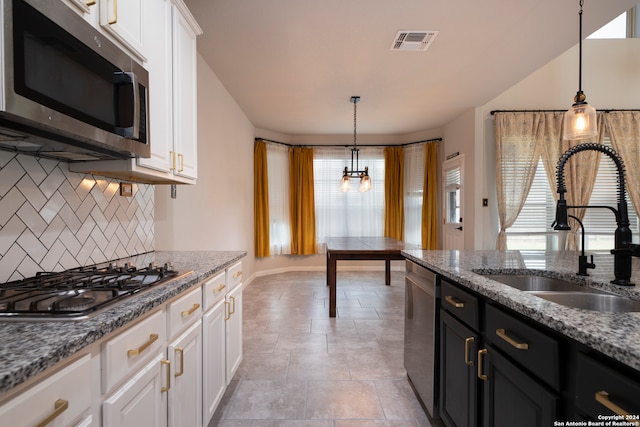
<point>79,292</point>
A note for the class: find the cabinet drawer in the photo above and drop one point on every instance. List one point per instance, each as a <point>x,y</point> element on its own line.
<point>234,275</point>
<point>460,303</point>
<point>526,345</point>
<point>214,290</point>
<point>127,352</point>
<point>64,397</point>
<point>599,388</point>
<point>183,311</point>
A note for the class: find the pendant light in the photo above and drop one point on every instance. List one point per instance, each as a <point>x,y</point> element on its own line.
<point>365,180</point>
<point>580,120</point>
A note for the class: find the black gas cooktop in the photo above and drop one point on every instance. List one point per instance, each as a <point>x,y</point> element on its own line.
<point>77,293</point>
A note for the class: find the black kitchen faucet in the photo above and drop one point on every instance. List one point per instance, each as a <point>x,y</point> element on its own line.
<point>623,249</point>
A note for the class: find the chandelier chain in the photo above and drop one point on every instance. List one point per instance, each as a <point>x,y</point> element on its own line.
<point>355,106</point>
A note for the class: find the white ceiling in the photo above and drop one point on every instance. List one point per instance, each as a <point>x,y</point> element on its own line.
<point>292,65</point>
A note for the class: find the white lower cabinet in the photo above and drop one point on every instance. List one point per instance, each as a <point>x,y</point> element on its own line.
<point>141,401</point>
<point>233,331</point>
<point>62,399</point>
<point>168,369</point>
<point>214,368</point>
<point>185,394</point>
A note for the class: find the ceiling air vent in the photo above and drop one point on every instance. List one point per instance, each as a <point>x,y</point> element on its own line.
<point>418,40</point>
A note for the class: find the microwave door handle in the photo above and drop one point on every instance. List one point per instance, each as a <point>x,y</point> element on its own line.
<point>126,77</point>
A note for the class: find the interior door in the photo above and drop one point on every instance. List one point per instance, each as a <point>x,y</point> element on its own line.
<point>452,185</point>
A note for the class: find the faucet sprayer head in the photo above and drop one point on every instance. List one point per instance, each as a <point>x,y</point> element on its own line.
<point>562,220</point>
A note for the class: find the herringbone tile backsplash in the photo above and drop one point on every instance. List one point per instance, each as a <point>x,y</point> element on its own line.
<point>52,219</point>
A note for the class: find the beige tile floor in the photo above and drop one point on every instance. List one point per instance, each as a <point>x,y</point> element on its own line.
<point>303,369</point>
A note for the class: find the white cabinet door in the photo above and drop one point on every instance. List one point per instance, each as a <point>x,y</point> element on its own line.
<point>185,395</point>
<point>214,356</point>
<point>233,331</point>
<point>123,19</point>
<point>185,86</point>
<point>158,45</point>
<point>141,401</point>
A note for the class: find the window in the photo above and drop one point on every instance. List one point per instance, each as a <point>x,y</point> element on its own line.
<point>532,229</point>
<point>351,213</point>
<point>413,187</point>
<point>279,223</point>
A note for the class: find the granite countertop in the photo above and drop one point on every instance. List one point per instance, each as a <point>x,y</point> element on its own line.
<point>614,334</point>
<point>30,347</point>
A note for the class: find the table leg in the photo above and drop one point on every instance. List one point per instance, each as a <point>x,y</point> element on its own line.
<point>331,282</point>
<point>387,272</point>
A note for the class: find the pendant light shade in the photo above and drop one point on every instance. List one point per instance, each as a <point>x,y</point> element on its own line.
<point>365,180</point>
<point>580,120</point>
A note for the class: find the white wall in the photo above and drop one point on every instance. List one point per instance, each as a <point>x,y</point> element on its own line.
<point>217,212</point>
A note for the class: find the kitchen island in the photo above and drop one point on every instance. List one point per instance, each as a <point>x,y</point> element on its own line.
<point>616,335</point>
<point>30,347</point>
<point>505,356</point>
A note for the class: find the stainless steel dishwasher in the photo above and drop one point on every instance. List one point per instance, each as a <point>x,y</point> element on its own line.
<point>421,335</point>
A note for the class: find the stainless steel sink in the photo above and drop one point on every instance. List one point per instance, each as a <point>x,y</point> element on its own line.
<point>567,293</point>
<point>529,283</point>
<point>591,301</point>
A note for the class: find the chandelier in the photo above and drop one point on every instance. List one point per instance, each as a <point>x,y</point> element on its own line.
<point>365,180</point>
<point>580,119</point>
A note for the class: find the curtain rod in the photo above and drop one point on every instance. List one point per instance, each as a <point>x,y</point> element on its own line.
<point>604,110</point>
<point>348,145</point>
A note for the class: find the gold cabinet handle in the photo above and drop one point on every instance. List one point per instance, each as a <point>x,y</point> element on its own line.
<point>90,2</point>
<point>237,274</point>
<point>114,18</point>
<point>180,350</point>
<point>59,407</point>
<point>190,311</point>
<point>167,365</point>
<point>602,397</point>
<point>481,353</point>
<point>228,310</point>
<point>233,310</point>
<point>519,345</point>
<point>181,158</point>
<point>468,341</point>
<point>219,288</point>
<point>173,160</point>
<point>451,300</point>
<point>143,347</point>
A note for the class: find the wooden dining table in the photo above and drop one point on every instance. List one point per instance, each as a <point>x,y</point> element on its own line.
<point>361,248</point>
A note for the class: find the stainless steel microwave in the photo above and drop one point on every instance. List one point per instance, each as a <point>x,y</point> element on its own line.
<point>68,92</point>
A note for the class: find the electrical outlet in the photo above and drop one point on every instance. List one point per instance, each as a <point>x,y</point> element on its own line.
<point>485,203</point>
<point>126,189</point>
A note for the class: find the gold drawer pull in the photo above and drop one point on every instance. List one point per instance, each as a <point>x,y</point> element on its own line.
<point>237,274</point>
<point>143,347</point>
<point>519,345</point>
<point>181,158</point>
<point>453,302</point>
<point>59,406</point>
<point>466,351</point>
<point>173,160</point>
<point>228,310</point>
<point>602,397</point>
<point>167,365</point>
<point>90,2</point>
<point>481,353</point>
<point>181,351</point>
<point>233,309</point>
<point>219,288</point>
<point>190,311</point>
<point>114,19</point>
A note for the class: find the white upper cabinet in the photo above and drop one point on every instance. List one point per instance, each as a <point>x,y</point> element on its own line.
<point>124,20</point>
<point>169,40</point>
